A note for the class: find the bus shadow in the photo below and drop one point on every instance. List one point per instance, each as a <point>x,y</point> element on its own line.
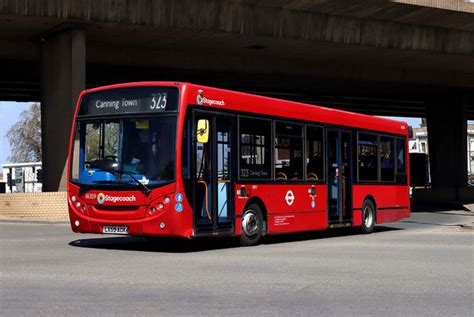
<point>177,245</point>
<point>326,234</point>
<point>157,244</point>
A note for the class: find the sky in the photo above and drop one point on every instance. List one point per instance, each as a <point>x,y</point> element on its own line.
<point>10,113</point>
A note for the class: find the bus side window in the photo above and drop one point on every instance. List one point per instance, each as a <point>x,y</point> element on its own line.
<point>387,163</point>
<point>255,153</point>
<point>368,158</point>
<point>314,154</point>
<point>288,152</point>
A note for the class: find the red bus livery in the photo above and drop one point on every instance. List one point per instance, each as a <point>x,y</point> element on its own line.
<point>182,160</point>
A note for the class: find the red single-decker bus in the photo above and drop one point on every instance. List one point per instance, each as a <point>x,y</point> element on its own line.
<point>183,160</point>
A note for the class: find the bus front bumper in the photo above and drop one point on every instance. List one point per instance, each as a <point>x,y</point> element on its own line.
<point>164,224</point>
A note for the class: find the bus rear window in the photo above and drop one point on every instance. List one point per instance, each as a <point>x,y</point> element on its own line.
<point>401,168</point>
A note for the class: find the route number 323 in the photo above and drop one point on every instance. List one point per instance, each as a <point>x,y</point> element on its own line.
<point>158,101</point>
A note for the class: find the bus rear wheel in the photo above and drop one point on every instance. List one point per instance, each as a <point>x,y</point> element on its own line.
<point>368,216</point>
<point>252,226</point>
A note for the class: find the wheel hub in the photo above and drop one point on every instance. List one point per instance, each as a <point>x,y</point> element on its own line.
<point>250,223</point>
<point>368,217</point>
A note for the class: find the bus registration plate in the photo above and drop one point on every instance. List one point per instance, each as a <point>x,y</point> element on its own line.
<point>115,229</point>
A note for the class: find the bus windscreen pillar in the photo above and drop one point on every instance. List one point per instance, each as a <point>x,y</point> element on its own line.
<point>447,142</point>
<point>63,76</point>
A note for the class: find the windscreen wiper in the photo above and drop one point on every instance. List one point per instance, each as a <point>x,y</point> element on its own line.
<point>142,186</point>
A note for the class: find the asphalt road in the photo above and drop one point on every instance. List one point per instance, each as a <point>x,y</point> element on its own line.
<point>421,266</point>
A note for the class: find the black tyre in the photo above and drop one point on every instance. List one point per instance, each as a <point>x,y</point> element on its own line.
<point>252,226</point>
<point>368,216</point>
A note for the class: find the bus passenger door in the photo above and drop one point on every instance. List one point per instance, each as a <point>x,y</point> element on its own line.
<point>339,177</point>
<point>214,175</point>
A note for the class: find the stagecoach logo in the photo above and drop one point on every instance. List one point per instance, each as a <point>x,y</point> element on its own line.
<point>199,97</point>
<point>101,198</point>
<point>289,197</point>
<point>201,100</point>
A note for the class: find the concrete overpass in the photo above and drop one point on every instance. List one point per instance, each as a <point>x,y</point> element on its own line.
<point>401,57</point>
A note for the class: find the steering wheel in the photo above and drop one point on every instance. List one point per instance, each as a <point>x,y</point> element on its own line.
<point>312,177</point>
<point>280,176</point>
<point>112,157</point>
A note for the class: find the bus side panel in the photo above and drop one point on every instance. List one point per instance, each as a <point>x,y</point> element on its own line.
<point>294,222</point>
<point>392,202</point>
<point>356,217</point>
<point>290,208</point>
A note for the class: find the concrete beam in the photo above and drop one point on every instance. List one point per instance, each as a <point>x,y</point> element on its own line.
<point>63,76</point>
<point>453,5</point>
<point>250,19</point>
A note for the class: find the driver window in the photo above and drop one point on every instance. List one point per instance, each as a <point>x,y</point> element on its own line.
<point>136,147</point>
<point>102,141</point>
<point>92,148</point>
<point>111,139</point>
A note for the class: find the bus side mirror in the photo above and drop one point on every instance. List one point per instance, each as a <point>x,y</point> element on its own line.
<point>202,131</point>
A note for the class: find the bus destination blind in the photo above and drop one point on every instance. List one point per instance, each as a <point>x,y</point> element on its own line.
<point>129,100</point>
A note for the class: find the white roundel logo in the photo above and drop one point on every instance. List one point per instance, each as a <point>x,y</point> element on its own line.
<point>289,197</point>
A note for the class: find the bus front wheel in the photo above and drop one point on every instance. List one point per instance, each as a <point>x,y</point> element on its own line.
<point>368,216</point>
<point>252,226</point>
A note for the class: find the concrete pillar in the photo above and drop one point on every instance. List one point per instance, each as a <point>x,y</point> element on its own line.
<point>63,76</point>
<point>447,142</point>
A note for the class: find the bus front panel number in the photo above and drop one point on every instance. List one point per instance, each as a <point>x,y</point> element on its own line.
<point>158,101</point>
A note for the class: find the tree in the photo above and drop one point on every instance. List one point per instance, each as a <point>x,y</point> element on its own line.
<point>25,136</point>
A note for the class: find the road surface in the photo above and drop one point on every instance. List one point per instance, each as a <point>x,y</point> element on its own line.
<point>420,266</point>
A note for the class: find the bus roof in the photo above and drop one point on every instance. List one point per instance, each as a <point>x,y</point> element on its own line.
<point>238,101</point>
<point>216,98</point>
